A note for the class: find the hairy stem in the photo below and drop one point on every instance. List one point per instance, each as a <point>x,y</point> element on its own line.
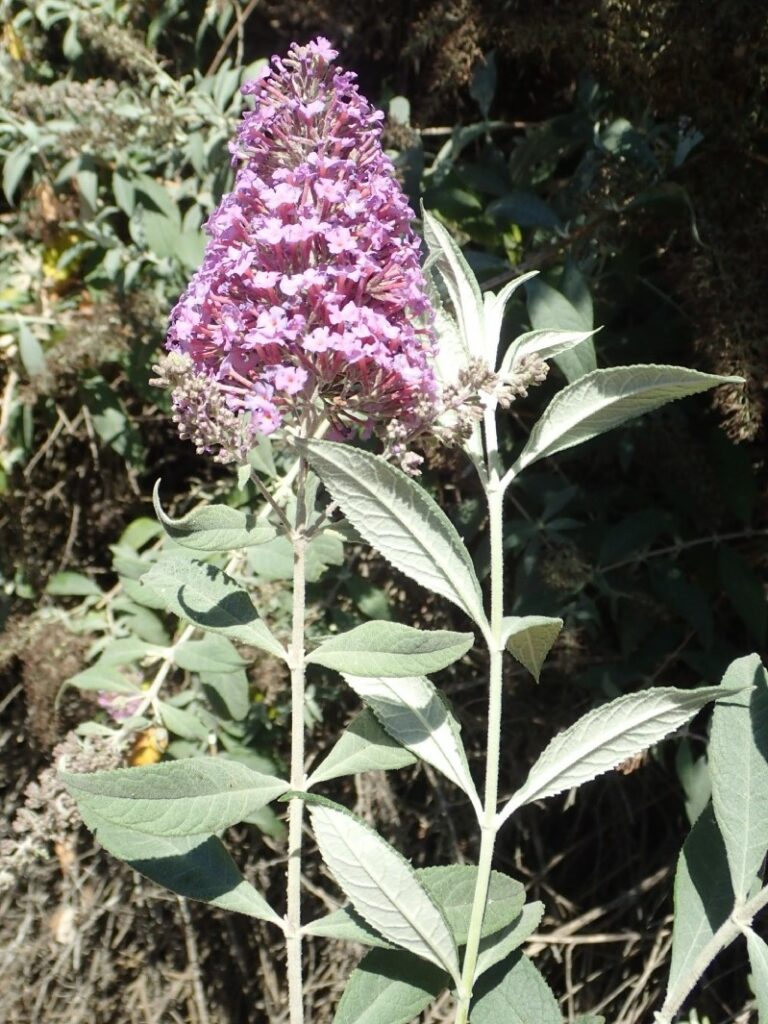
<point>296,807</point>
<point>488,823</point>
<point>734,925</point>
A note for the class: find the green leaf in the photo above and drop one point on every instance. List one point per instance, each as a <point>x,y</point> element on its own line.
<point>103,678</point>
<point>209,598</point>
<point>545,344</point>
<point>549,309</point>
<point>183,722</point>
<point>514,992</point>
<point>30,352</point>
<point>497,946</point>
<point>347,925</point>
<point>703,901</point>
<point>122,652</point>
<point>460,283</point>
<point>139,532</point>
<point>87,180</point>
<point>453,889</point>
<point>227,693</point>
<point>178,798</point>
<point>604,399</point>
<point>758,961</point>
<point>72,584</point>
<point>214,527</point>
<point>123,191</point>
<point>363,746</point>
<point>525,209</point>
<point>274,560</point>
<point>529,639</point>
<point>383,887</point>
<point>400,520</point>
<point>494,307</point>
<point>213,653</point>
<point>389,987</point>
<point>389,649</point>
<point>738,767</point>
<point>589,1018</point>
<point>482,87</point>
<point>15,165</point>
<point>156,197</point>
<point>142,622</point>
<point>608,735</point>
<point>413,713</point>
<point>197,867</point>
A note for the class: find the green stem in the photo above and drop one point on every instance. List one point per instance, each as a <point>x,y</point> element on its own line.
<point>298,779</point>
<point>488,823</point>
<point>734,925</point>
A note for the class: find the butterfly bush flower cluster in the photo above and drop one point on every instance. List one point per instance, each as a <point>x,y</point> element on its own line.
<point>310,299</point>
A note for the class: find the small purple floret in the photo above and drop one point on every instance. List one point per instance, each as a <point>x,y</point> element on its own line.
<point>310,292</point>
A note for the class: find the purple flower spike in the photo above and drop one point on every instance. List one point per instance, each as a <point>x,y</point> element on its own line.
<point>310,295</point>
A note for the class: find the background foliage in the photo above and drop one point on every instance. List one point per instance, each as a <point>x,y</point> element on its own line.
<point>620,149</point>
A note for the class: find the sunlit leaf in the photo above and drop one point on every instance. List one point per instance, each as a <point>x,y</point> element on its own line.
<point>608,735</point>
<point>363,746</point>
<point>738,767</point>
<point>178,798</point>
<point>383,887</point>
<point>529,639</point>
<point>400,520</point>
<point>390,649</point>
<point>197,867</point>
<point>209,598</point>
<point>389,987</point>
<point>413,713</point>
<point>213,527</point>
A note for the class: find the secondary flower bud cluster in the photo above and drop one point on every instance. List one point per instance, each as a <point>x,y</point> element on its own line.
<point>310,295</point>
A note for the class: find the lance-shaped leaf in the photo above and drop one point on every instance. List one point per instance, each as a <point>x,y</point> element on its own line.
<point>213,527</point>
<point>347,925</point>
<point>461,284</point>
<point>548,308</point>
<point>545,344</point>
<point>604,399</point>
<point>213,653</point>
<point>383,887</point>
<point>197,867</point>
<point>400,520</point>
<point>703,902</point>
<point>608,735</point>
<point>529,639</point>
<point>452,888</point>
<point>758,960</point>
<point>390,649</point>
<point>364,746</point>
<point>494,307</point>
<point>100,678</point>
<point>514,992</point>
<point>738,767</point>
<point>413,712</point>
<point>209,598</point>
<point>499,945</point>
<point>389,987</point>
<point>179,798</point>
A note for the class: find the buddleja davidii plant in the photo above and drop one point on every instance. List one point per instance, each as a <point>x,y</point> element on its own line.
<point>308,313</point>
<point>470,943</point>
<point>720,880</point>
